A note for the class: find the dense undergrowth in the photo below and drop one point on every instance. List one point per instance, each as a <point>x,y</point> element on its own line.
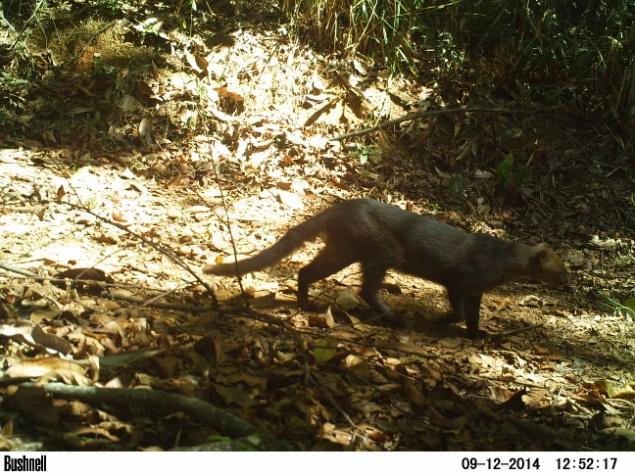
<point>572,54</point>
<point>575,56</point>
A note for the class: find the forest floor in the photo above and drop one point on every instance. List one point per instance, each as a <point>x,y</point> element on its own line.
<point>135,179</point>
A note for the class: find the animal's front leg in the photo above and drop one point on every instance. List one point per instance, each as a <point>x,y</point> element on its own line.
<point>456,312</point>
<point>471,312</point>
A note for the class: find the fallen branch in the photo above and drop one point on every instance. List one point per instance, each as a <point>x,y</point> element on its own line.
<point>417,114</point>
<point>246,443</point>
<point>331,334</point>
<point>27,277</point>
<point>23,272</point>
<point>110,295</point>
<point>161,305</point>
<point>152,401</point>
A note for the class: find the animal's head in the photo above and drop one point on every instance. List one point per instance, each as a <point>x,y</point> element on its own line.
<point>547,266</point>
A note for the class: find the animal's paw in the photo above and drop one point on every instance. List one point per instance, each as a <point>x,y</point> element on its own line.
<point>310,306</point>
<point>447,318</point>
<point>478,334</point>
<point>394,320</point>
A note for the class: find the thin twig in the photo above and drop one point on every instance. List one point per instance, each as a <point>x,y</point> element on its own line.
<point>332,401</point>
<point>160,248</point>
<point>229,229</point>
<point>23,272</point>
<point>34,277</point>
<point>512,332</point>
<point>27,23</point>
<point>116,297</point>
<point>361,340</point>
<point>162,294</point>
<point>438,112</point>
<point>5,21</point>
<point>486,110</point>
<point>162,305</point>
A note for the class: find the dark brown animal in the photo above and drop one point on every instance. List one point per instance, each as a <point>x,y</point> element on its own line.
<point>383,237</point>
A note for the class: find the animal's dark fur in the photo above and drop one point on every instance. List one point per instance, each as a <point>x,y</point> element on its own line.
<point>381,237</point>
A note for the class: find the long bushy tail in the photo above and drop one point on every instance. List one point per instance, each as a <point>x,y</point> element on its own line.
<point>292,239</point>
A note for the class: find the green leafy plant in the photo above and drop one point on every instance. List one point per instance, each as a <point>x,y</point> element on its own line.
<point>456,185</point>
<point>370,154</point>
<point>627,307</point>
<point>112,7</point>
<point>509,173</point>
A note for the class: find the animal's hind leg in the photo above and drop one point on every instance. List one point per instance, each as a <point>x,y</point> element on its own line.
<point>327,262</point>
